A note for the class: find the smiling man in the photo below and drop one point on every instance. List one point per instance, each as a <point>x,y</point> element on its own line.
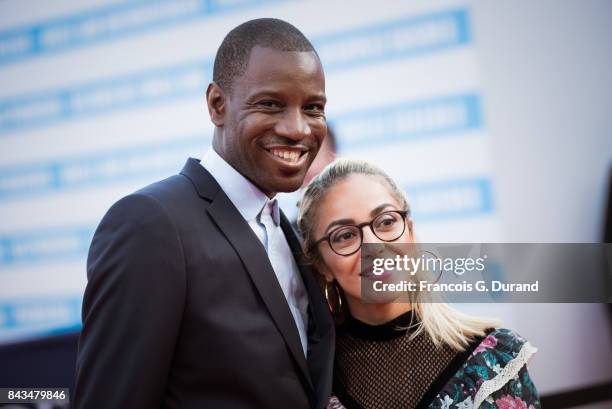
<point>197,292</point>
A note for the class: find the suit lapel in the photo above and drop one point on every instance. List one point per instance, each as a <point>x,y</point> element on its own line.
<point>254,257</point>
<point>321,340</point>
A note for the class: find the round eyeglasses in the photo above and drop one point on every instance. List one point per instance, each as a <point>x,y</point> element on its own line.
<point>347,239</point>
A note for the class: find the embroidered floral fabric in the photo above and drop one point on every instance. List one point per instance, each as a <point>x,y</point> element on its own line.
<point>495,376</point>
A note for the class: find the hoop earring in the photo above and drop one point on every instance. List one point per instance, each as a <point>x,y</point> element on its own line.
<point>338,297</point>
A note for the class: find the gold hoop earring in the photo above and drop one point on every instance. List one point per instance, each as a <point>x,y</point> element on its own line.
<point>338,297</point>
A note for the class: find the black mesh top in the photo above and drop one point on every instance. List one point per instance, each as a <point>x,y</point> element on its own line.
<point>380,367</point>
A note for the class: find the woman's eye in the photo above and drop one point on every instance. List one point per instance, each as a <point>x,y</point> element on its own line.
<point>343,236</point>
<point>386,222</point>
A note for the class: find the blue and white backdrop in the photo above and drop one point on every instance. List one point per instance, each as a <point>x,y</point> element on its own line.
<point>99,98</point>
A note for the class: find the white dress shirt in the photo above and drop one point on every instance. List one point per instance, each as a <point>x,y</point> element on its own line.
<point>250,201</point>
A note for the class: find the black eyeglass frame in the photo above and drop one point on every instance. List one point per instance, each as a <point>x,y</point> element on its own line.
<point>403,213</point>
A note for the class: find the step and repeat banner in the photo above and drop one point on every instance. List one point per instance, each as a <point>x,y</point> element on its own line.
<point>98,99</point>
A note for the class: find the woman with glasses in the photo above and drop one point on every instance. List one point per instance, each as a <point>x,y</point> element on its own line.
<point>392,354</point>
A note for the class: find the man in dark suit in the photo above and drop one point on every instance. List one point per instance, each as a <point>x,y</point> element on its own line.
<point>197,293</point>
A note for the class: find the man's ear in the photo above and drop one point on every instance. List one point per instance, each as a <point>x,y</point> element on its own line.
<point>216,101</point>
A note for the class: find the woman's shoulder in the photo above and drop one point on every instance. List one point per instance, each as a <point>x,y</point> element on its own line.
<point>497,358</point>
<point>505,344</point>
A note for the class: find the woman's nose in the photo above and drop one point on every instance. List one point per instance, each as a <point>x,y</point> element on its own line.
<point>374,246</point>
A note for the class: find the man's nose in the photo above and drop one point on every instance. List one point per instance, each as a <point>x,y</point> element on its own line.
<point>293,125</point>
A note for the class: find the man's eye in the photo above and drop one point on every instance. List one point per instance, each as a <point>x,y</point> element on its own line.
<point>316,108</point>
<point>269,104</point>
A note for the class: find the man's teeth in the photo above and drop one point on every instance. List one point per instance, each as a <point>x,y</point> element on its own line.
<point>291,156</point>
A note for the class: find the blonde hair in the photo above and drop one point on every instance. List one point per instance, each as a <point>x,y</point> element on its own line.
<point>443,324</point>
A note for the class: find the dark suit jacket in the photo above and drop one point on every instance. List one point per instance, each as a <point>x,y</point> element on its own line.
<point>183,309</point>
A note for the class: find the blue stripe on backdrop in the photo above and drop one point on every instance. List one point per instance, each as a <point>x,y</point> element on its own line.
<point>450,199</point>
<point>45,314</point>
<point>404,121</point>
<point>145,162</point>
<point>410,120</point>
<point>108,23</point>
<point>406,37</point>
<point>44,245</point>
<point>343,50</point>
<point>140,89</point>
<point>446,200</point>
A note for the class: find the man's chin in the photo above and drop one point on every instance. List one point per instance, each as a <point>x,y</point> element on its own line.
<point>289,186</point>
<point>273,179</point>
<point>284,184</point>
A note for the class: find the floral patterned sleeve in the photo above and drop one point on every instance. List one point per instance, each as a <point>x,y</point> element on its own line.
<point>518,393</point>
<point>494,376</point>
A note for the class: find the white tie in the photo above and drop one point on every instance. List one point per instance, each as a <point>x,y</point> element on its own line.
<point>285,268</point>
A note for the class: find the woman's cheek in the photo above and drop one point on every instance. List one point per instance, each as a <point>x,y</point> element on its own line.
<point>345,266</point>
<point>347,274</point>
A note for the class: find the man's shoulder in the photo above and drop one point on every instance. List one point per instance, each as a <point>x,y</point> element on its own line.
<point>192,182</point>
<point>169,195</point>
<point>170,188</point>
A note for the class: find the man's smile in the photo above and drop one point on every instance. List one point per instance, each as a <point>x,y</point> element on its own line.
<point>293,155</point>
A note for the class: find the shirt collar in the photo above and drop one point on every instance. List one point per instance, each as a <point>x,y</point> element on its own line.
<point>247,197</point>
<point>271,208</point>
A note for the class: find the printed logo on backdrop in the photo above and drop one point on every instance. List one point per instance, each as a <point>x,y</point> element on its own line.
<point>110,23</point>
<point>410,37</point>
<point>52,314</point>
